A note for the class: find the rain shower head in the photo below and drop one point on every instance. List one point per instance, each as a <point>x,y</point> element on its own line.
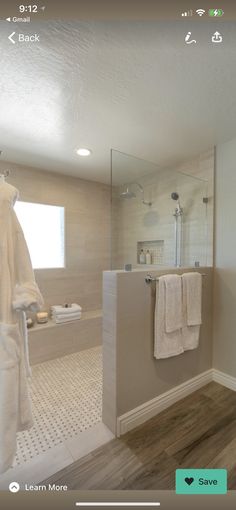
<point>130,194</point>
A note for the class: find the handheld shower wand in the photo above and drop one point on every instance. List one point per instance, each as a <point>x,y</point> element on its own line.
<point>178,228</point>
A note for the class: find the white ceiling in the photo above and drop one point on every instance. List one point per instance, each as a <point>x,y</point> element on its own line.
<point>135,87</point>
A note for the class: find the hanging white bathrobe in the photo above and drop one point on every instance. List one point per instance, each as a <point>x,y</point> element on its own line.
<point>18,293</point>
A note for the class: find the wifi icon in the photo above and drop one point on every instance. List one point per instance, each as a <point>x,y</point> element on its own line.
<point>200,12</point>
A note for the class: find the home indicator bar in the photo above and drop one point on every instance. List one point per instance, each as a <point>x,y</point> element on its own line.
<point>116,503</point>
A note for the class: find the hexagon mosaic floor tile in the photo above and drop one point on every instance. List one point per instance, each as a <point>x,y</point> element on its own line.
<point>66,398</point>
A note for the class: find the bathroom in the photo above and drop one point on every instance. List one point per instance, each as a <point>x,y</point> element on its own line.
<point>146,197</point>
<point>71,375</point>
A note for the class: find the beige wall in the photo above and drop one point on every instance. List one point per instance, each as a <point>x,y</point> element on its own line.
<point>134,221</point>
<point>132,375</point>
<point>87,233</point>
<point>225,260</point>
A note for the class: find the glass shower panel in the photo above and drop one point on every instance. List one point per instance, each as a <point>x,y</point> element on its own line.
<point>194,237</point>
<point>147,223</point>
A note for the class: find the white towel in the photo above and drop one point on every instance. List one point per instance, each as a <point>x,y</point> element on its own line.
<point>66,315</point>
<point>67,319</point>
<point>173,311</point>
<point>192,303</point>
<point>59,309</point>
<point>165,344</point>
<point>193,282</point>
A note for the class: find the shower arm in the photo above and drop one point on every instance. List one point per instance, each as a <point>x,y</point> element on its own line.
<point>142,191</point>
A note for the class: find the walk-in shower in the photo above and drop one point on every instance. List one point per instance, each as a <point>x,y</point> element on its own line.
<point>172,228</point>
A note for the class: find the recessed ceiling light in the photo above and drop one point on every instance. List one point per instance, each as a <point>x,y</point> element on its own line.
<point>84,152</point>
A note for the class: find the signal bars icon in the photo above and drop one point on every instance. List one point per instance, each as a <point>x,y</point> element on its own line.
<point>187,13</point>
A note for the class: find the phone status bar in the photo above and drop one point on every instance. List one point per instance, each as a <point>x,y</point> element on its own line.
<point>130,10</point>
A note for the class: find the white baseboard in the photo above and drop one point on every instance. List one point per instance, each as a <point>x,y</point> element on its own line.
<point>140,414</point>
<point>224,379</point>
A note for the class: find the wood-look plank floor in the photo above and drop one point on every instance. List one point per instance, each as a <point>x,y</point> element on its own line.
<point>196,432</point>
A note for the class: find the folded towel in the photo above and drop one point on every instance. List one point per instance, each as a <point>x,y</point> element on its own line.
<point>66,315</point>
<point>165,344</point>
<point>59,309</point>
<point>173,300</point>
<point>193,282</point>
<point>192,299</point>
<point>68,319</point>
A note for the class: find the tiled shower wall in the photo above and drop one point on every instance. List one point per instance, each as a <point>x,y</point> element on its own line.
<point>87,233</point>
<point>133,221</point>
<point>203,168</point>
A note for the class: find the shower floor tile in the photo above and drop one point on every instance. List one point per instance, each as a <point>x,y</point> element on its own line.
<point>66,399</point>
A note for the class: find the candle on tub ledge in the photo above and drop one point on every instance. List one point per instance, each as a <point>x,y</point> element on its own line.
<point>42,317</point>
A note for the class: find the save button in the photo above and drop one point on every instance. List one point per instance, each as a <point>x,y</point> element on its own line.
<point>201,481</point>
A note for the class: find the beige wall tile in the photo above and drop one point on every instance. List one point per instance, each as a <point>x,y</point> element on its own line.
<point>132,221</point>
<point>87,234</point>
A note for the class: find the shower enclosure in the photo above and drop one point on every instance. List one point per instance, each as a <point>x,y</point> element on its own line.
<point>161,214</point>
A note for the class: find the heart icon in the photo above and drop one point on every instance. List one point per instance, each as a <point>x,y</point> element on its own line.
<point>189,481</point>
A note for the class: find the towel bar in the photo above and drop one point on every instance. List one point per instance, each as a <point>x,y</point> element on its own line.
<point>149,278</point>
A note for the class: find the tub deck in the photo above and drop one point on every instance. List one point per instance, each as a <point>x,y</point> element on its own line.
<point>49,341</point>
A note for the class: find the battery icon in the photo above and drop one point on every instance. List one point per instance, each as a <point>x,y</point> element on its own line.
<point>215,12</point>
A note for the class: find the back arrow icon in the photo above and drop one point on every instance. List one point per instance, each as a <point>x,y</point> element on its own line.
<point>10,38</point>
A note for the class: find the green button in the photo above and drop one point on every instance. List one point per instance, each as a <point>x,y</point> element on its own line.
<point>201,481</point>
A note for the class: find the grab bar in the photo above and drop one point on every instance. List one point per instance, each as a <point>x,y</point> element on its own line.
<point>149,278</point>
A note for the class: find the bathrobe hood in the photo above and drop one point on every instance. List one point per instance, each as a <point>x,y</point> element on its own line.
<point>18,293</point>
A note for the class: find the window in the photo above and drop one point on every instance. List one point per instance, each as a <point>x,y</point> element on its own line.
<point>43,227</point>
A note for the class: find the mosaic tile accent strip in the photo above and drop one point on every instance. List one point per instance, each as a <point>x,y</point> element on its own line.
<point>67,399</point>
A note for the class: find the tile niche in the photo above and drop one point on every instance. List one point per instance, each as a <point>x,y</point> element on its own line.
<point>156,249</point>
